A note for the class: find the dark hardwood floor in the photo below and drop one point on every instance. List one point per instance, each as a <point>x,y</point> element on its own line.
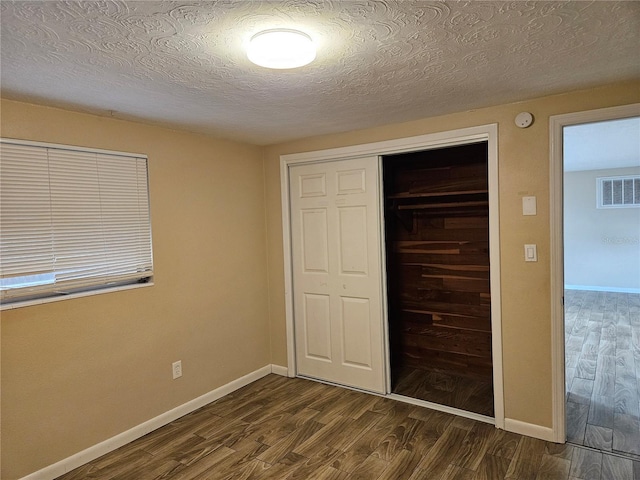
<point>294,429</point>
<point>602,333</point>
<point>465,392</point>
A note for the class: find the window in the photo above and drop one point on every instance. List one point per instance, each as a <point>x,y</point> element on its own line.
<point>618,192</point>
<point>71,220</point>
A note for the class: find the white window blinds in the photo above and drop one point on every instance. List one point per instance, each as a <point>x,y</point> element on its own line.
<point>71,220</point>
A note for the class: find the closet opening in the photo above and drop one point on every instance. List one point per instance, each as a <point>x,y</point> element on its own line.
<point>438,276</point>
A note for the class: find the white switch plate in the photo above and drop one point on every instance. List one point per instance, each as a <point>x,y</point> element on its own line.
<point>531,253</point>
<point>528,205</point>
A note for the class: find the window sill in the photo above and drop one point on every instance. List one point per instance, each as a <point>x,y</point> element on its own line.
<point>39,301</point>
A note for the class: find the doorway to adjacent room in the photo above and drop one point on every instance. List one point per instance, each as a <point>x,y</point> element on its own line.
<point>596,271</point>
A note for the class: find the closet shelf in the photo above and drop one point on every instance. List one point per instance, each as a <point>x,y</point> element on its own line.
<point>409,195</point>
<point>410,201</point>
<point>425,206</point>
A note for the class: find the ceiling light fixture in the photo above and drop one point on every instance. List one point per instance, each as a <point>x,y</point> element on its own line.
<point>281,48</point>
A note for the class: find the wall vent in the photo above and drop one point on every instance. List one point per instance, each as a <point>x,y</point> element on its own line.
<point>618,192</point>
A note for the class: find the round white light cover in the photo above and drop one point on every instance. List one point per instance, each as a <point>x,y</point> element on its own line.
<point>281,49</point>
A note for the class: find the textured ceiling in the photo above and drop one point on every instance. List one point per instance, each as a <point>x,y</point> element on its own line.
<point>379,62</point>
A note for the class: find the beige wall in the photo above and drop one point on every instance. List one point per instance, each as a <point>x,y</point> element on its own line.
<point>523,170</point>
<point>79,371</point>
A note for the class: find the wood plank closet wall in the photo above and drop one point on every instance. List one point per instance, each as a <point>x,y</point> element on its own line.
<point>437,237</point>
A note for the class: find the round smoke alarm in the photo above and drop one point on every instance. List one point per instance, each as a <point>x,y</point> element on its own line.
<point>524,119</point>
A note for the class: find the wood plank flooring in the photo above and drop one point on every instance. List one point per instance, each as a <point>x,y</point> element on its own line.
<point>294,429</point>
<point>602,357</point>
<point>472,393</point>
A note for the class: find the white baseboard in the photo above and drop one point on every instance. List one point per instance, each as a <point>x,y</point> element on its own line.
<point>602,289</point>
<point>280,370</point>
<point>109,445</point>
<point>529,429</point>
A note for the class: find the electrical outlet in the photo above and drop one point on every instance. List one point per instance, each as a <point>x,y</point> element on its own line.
<point>177,369</point>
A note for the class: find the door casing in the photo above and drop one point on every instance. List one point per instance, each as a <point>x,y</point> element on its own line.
<point>556,176</point>
<point>488,133</point>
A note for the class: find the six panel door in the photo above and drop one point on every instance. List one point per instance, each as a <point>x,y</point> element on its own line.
<point>335,229</point>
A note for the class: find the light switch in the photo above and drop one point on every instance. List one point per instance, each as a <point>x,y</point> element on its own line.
<point>530,253</point>
<point>528,205</point>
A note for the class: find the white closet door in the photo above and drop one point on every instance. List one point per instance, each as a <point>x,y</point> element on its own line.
<point>337,272</point>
